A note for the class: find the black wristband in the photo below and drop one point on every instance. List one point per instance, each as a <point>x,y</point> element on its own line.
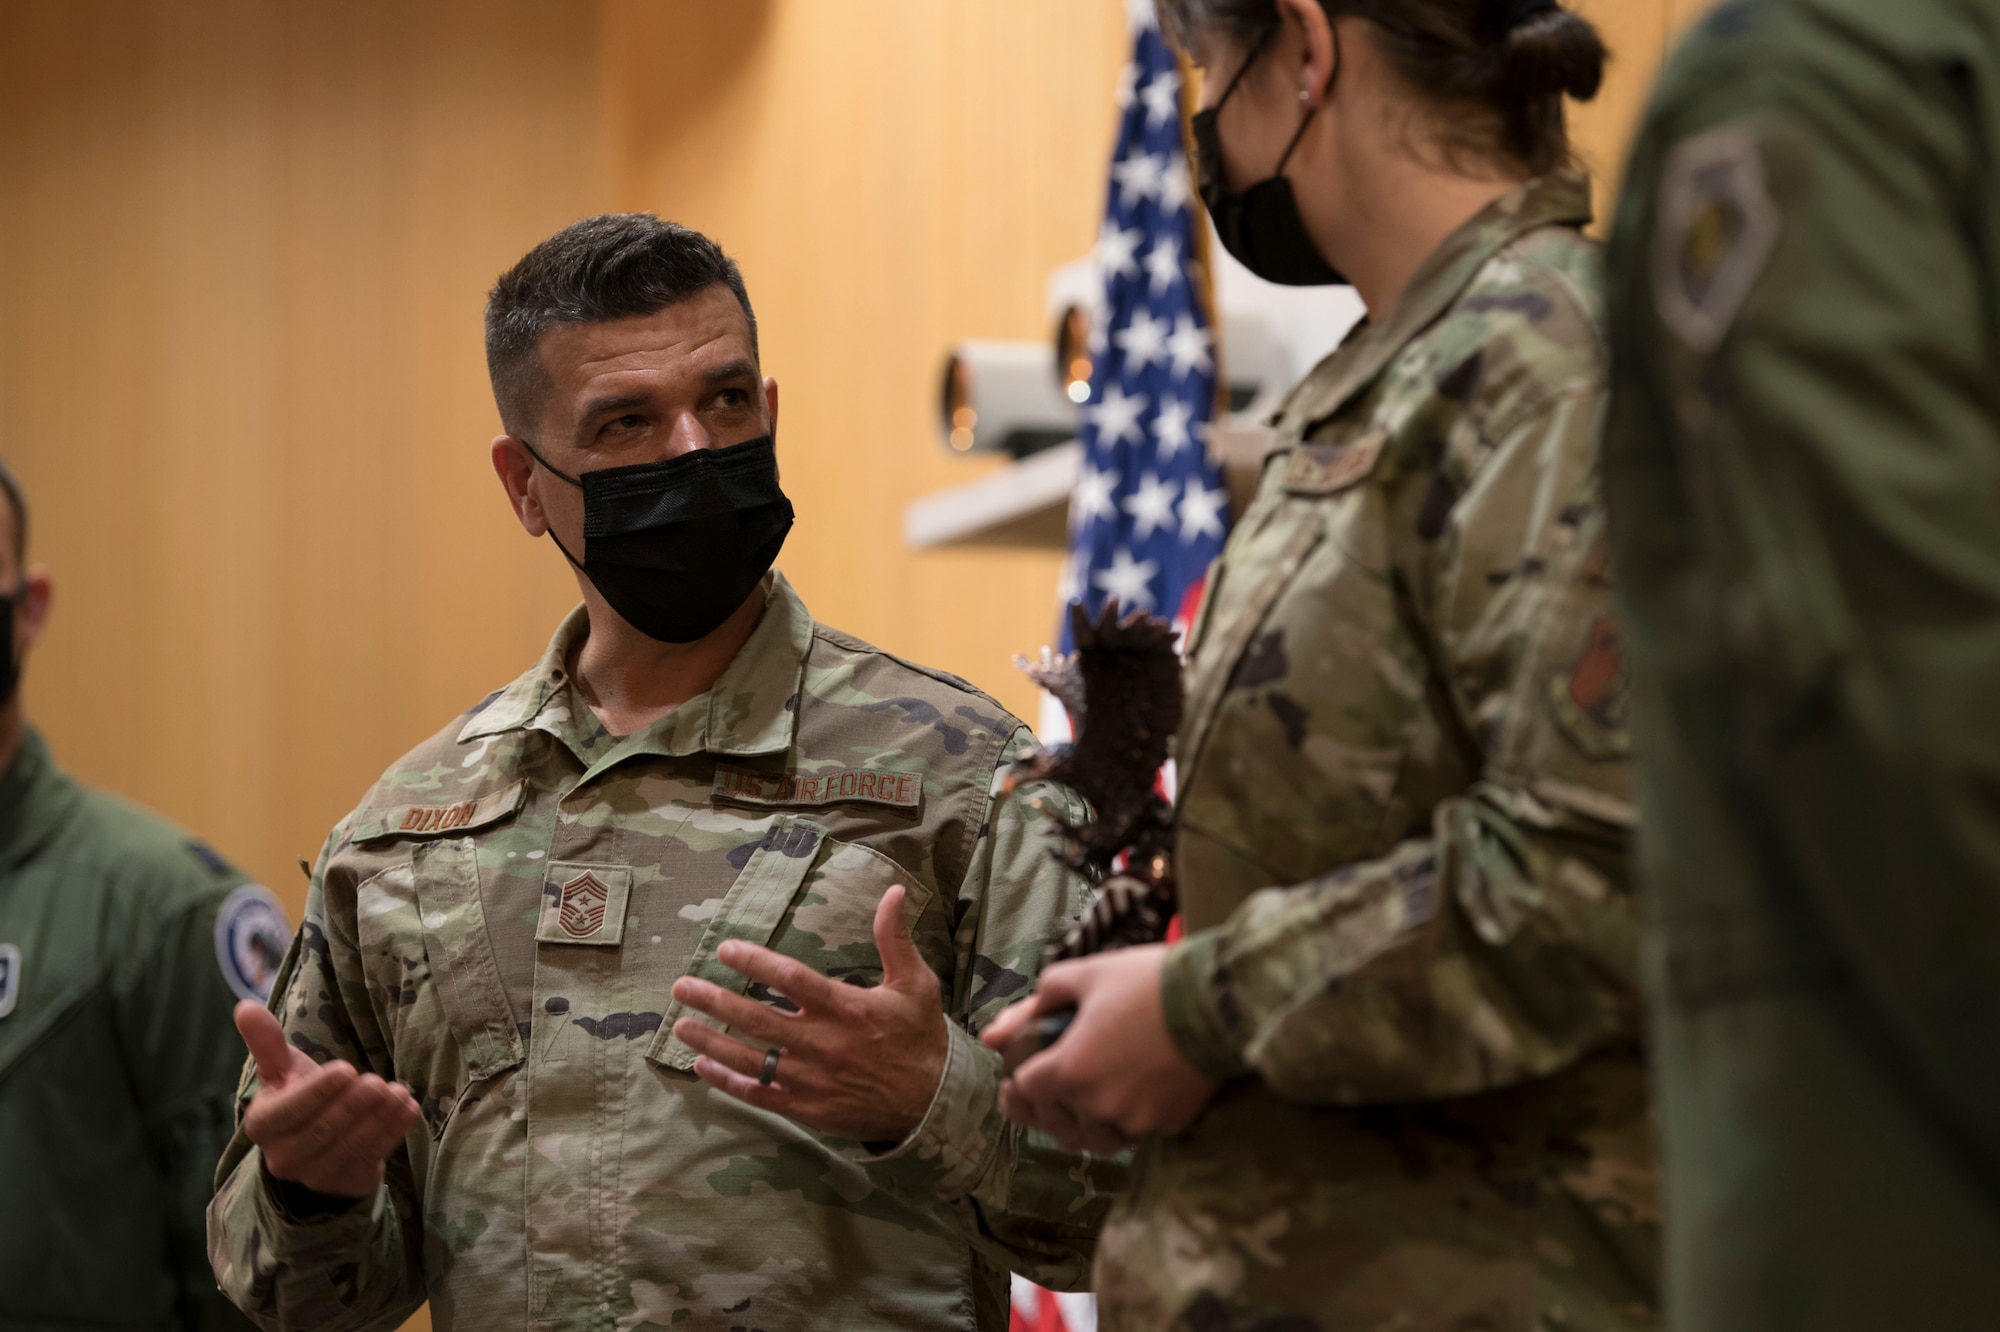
<point>296,1202</point>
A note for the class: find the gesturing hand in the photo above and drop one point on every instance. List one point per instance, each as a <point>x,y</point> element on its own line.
<point>857,1063</point>
<point>1116,1074</point>
<point>321,1125</point>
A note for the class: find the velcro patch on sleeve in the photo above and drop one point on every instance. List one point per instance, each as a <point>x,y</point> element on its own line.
<point>1718,225</point>
<point>1328,469</point>
<point>10,977</point>
<point>902,790</point>
<point>1591,699</point>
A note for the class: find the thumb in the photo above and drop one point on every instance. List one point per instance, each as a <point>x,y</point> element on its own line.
<point>267,1043</point>
<point>901,962</point>
<point>1002,1029</point>
<point>1056,989</point>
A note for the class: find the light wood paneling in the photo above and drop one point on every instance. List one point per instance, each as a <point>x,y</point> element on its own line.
<point>892,176</point>
<point>1640,34</point>
<point>244,250</point>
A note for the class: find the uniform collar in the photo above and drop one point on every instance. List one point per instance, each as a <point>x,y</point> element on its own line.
<point>1559,199</point>
<point>35,797</point>
<point>751,709</point>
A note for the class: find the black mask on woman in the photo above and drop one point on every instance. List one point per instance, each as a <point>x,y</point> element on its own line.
<point>1260,226</point>
<point>677,546</point>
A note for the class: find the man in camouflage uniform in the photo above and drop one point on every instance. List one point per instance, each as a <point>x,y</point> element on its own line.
<point>1801,469</point>
<point>123,944</point>
<point>500,925</point>
<point>1405,705</point>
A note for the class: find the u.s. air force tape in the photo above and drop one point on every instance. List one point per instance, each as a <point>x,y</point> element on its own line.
<point>251,938</point>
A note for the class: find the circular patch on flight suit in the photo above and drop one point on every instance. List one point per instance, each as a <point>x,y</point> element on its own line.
<point>251,939</point>
<point>10,977</point>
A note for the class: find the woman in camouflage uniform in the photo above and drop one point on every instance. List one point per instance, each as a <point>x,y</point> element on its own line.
<point>1392,1077</point>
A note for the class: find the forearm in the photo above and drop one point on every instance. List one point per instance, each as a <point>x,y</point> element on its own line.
<point>1499,949</point>
<point>1012,1194</point>
<point>354,1270</point>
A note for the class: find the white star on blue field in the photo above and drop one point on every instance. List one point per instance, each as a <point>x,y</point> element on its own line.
<point>1150,511</point>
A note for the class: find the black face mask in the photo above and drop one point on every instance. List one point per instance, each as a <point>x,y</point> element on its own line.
<point>1260,226</point>
<point>677,546</point>
<point>10,669</point>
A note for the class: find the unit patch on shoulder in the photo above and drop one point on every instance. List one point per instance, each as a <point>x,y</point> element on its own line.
<point>1715,231</point>
<point>10,977</point>
<point>903,790</point>
<point>251,939</point>
<point>1592,700</point>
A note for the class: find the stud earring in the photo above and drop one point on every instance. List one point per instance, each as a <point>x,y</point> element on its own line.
<point>1305,94</point>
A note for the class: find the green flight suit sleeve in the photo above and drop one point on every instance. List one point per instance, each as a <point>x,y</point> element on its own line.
<point>181,1052</point>
<point>1836,456</point>
<point>1502,946</point>
<point>1020,1200</point>
<point>286,1262</point>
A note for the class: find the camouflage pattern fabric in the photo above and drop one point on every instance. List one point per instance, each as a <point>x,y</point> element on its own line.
<point>1406,711</point>
<point>499,924</point>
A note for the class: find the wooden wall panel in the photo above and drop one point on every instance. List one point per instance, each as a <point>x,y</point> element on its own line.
<point>892,175</point>
<point>1640,34</point>
<point>243,251</point>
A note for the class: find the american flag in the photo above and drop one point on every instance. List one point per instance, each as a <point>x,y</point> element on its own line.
<point>1150,509</point>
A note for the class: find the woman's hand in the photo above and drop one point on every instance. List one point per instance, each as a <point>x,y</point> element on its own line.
<point>1116,1074</point>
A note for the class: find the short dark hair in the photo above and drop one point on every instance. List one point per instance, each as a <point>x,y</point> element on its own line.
<point>613,266</point>
<point>17,501</point>
<point>1499,69</point>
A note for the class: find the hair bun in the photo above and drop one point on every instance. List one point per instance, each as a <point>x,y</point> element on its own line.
<point>1553,53</point>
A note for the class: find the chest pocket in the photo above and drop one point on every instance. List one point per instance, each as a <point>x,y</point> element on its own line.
<point>1276,536</point>
<point>1303,692</point>
<point>426,955</point>
<point>811,897</point>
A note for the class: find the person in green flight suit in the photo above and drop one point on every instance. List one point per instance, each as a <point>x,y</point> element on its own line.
<point>124,944</point>
<point>1803,473</point>
<point>1392,1077</point>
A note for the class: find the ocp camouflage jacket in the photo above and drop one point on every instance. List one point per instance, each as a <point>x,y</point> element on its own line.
<point>499,924</point>
<point>1403,844</point>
